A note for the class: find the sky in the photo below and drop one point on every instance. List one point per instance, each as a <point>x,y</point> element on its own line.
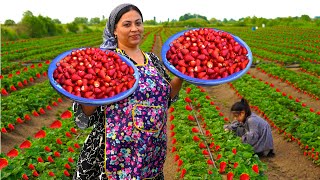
<point>67,10</point>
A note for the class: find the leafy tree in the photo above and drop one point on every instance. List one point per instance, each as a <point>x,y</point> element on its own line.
<point>81,20</point>
<point>305,18</point>
<point>150,22</point>
<point>95,20</point>
<point>9,22</point>
<point>56,21</point>
<point>73,27</point>
<point>35,27</point>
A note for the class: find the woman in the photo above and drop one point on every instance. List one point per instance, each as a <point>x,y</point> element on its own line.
<point>128,140</point>
<point>251,128</point>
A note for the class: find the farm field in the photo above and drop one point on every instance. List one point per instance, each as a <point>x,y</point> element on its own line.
<point>39,139</point>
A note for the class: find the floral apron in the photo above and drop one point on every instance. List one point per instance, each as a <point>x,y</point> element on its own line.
<point>136,129</point>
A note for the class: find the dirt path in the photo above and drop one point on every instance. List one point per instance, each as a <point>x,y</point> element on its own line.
<point>289,162</point>
<point>29,128</point>
<point>169,166</point>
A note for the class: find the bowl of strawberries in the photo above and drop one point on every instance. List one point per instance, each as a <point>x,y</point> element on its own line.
<point>206,56</point>
<point>93,76</point>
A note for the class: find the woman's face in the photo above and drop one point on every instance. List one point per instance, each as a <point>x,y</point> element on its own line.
<point>239,116</point>
<point>129,29</point>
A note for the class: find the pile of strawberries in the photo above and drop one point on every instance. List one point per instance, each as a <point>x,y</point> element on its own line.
<point>207,53</point>
<point>94,73</point>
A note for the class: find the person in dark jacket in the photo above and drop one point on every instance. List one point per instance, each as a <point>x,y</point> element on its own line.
<point>251,128</point>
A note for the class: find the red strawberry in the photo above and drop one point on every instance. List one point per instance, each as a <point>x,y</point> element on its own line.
<point>66,173</point>
<point>195,130</point>
<point>217,108</point>
<point>205,152</point>
<point>25,82</point>
<point>47,149</point>
<point>67,166</point>
<point>59,141</point>
<point>40,134</point>
<point>202,145</point>
<point>226,119</point>
<point>19,120</point>
<point>217,147</point>
<point>219,157</point>
<point>183,172</point>
<point>38,75</point>
<point>25,177</point>
<point>50,159</point>
<point>172,134</point>
<point>176,157</point>
<point>174,140</point>
<point>171,109</point>
<point>48,107</point>
<point>39,159</point>
<point>180,162</point>
<point>171,117</point>
<point>56,154</point>
<point>230,176</point>
<point>220,114</point>
<point>3,163</point>
<point>50,173</point>
<point>173,149</point>
<point>54,103</point>
<point>188,100</point>
<point>304,104</point>
<point>73,130</point>
<point>10,126</point>
<point>211,145</point>
<point>76,145</point>
<point>56,124</point>
<point>234,151</point>
<point>188,108</point>
<point>20,84</point>
<point>211,103</point>
<point>70,160</point>
<point>297,100</point>
<point>35,113</point>
<point>70,149</point>
<point>41,110</point>
<point>196,138</point>
<point>191,118</point>
<point>223,166</point>
<point>244,176</point>
<point>171,126</point>
<point>235,165</point>
<point>255,168</point>
<point>188,89</point>
<point>4,130</point>
<point>31,166</point>
<point>66,115</point>
<point>210,162</point>
<point>4,92</point>
<point>59,100</point>
<point>12,88</point>
<point>13,153</point>
<point>27,117</point>
<point>25,144</point>
<point>68,134</point>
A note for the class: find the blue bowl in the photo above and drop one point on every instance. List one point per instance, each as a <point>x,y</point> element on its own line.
<point>203,82</point>
<point>86,101</point>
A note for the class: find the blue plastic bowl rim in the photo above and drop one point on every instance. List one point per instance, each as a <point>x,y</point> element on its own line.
<point>203,82</point>
<point>87,101</point>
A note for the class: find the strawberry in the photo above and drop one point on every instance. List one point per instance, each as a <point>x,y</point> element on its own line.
<point>210,162</point>
<point>70,149</point>
<point>234,151</point>
<point>171,109</point>
<point>196,138</point>
<point>220,114</point>
<point>3,163</point>
<point>172,134</point>
<point>50,159</point>
<point>47,149</point>
<point>180,162</point>
<point>70,160</point>
<point>56,154</point>
<point>12,88</point>
<point>176,157</point>
<point>188,100</point>
<point>174,140</point>
<point>191,118</point>
<point>202,145</point>
<point>25,177</point>
<point>41,110</point>
<point>25,144</point>
<point>54,103</point>
<point>230,176</point>
<point>68,134</point>
<point>13,153</point>
<point>40,134</point>
<point>31,166</point>
<point>48,107</point>
<point>66,114</point>
<point>73,130</point>
<point>195,130</point>
<point>38,75</point>
<point>27,117</point>
<point>4,92</point>
<point>217,147</point>
<point>223,166</point>
<point>173,149</point>
<point>20,84</point>
<point>40,160</point>
<point>66,173</point>
<point>10,126</point>
<point>60,100</point>
<point>235,165</point>
<point>183,172</point>
<point>244,176</point>
<point>171,117</point>
<point>219,157</point>
<point>59,141</point>
<point>172,126</point>
<point>188,89</point>
<point>19,120</point>
<point>255,168</point>
<point>50,173</point>
<point>205,152</point>
<point>35,113</point>
<point>56,124</point>
<point>67,166</point>
<point>76,145</point>
<point>4,130</point>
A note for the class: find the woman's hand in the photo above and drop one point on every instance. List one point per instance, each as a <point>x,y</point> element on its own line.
<point>176,84</point>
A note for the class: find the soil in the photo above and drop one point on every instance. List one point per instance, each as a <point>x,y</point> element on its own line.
<point>289,162</point>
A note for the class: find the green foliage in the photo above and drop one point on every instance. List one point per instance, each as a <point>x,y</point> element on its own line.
<point>95,20</point>
<point>80,20</point>
<point>9,22</point>
<point>73,27</point>
<point>191,16</point>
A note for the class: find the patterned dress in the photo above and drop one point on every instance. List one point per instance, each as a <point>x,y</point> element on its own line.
<point>128,140</point>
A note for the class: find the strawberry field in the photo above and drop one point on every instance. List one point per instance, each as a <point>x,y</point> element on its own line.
<point>39,139</point>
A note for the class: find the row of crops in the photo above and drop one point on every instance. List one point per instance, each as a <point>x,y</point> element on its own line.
<point>206,151</point>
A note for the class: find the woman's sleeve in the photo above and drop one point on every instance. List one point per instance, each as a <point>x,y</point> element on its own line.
<point>252,136</point>
<point>82,120</point>
<point>162,70</point>
<point>236,127</point>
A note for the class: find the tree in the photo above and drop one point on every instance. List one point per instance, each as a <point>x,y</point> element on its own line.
<point>34,26</point>
<point>56,21</point>
<point>80,20</point>
<point>9,22</point>
<point>73,27</point>
<point>150,22</point>
<point>305,18</point>
<point>95,20</point>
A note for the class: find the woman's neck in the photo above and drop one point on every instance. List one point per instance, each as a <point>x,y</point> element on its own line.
<point>134,53</point>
